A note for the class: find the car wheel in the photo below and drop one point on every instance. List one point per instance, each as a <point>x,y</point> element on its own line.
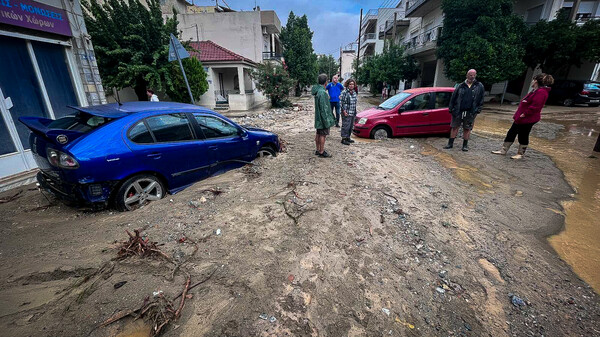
<point>380,132</point>
<point>138,191</point>
<point>266,151</point>
<point>568,102</point>
<point>593,105</point>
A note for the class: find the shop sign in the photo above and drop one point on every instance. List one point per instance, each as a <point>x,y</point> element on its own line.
<point>34,15</point>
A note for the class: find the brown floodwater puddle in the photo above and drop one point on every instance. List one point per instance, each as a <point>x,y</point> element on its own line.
<point>570,148</point>
<point>464,172</point>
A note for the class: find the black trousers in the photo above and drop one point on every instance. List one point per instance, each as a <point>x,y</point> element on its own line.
<point>521,130</point>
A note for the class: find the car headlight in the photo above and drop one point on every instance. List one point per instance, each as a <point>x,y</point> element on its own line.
<point>362,121</point>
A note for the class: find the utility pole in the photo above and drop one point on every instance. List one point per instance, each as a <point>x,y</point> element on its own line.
<point>574,9</point>
<point>394,28</point>
<point>197,35</point>
<point>340,60</point>
<point>358,49</point>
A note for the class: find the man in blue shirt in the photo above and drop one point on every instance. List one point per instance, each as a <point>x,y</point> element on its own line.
<point>335,89</point>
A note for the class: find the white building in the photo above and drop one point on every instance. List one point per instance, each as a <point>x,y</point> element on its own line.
<point>347,58</point>
<point>251,35</point>
<point>426,20</point>
<point>374,25</point>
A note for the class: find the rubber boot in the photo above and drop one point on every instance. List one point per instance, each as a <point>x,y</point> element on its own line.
<point>505,147</point>
<point>345,141</point>
<point>465,145</point>
<point>521,153</point>
<point>450,144</point>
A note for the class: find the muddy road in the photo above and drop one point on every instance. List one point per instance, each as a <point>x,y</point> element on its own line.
<point>393,238</point>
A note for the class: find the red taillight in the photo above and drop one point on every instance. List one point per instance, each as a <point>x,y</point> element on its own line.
<point>584,92</point>
<point>59,159</point>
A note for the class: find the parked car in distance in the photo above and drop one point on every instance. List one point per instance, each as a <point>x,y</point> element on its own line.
<point>136,152</point>
<point>410,112</point>
<point>571,92</point>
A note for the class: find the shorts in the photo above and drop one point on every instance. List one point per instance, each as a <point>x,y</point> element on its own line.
<point>323,132</point>
<point>465,119</point>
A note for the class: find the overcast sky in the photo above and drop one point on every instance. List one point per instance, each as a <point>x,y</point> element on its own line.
<point>334,23</point>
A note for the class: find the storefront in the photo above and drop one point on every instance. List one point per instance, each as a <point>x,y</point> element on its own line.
<point>46,64</point>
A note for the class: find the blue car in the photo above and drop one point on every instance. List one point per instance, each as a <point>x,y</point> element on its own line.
<point>132,153</point>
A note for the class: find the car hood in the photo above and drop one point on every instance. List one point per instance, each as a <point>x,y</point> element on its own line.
<point>371,113</point>
<point>259,131</point>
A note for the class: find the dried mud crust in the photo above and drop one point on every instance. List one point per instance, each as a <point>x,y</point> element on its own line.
<point>385,238</point>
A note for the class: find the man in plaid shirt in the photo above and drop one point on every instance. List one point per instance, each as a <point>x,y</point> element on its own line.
<point>348,101</point>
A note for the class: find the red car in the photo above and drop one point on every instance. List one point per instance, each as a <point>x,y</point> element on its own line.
<point>411,112</point>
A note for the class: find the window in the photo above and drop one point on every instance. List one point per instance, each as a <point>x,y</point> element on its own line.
<point>213,127</point>
<point>420,102</point>
<point>170,128</point>
<point>393,101</point>
<point>81,122</point>
<point>442,99</point>
<point>534,14</point>
<point>140,134</point>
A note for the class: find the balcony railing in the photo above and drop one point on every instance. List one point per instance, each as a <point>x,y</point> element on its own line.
<point>424,39</point>
<point>269,55</point>
<point>369,36</point>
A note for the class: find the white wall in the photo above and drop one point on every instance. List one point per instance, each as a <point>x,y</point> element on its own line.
<point>239,32</point>
<point>347,61</point>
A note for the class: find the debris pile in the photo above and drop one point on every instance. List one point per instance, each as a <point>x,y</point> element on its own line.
<point>138,246</point>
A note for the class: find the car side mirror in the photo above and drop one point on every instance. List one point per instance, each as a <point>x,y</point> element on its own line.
<point>405,106</point>
<point>241,132</point>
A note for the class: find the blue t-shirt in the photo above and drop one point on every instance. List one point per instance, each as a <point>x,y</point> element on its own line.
<point>334,91</point>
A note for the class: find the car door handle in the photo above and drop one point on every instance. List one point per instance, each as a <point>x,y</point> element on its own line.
<point>213,147</point>
<point>425,113</point>
<point>154,155</point>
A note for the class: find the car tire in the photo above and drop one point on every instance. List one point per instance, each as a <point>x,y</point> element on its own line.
<point>380,132</point>
<point>568,102</point>
<point>137,191</point>
<point>266,151</point>
<point>593,105</point>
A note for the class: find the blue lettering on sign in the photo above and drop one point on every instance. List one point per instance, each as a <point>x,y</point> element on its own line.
<point>39,11</point>
<point>5,3</point>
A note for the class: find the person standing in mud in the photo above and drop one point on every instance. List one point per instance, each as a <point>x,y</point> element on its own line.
<point>323,115</point>
<point>466,102</point>
<point>349,100</point>
<point>528,113</point>
<point>335,89</point>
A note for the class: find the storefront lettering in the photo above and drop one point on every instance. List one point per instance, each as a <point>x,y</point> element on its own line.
<point>33,15</point>
<point>12,15</point>
<point>41,23</point>
<point>40,11</point>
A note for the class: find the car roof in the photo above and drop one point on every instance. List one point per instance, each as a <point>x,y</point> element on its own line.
<point>114,110</point>
<point>428,89</point>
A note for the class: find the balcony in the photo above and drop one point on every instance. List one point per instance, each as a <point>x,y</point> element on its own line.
<point>424,42</point>
<point>369,17</point>
<point>419,8</point>
<point>270,22</point>
<point>272,56</point>
<point>387,31</point>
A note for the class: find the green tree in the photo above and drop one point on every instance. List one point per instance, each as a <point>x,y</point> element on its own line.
<point>274,81</point>
<point>391,66</point>
<point>484,35</point>
<point>327,65</point>
<point>296,38</point>
<point>132,43</point>
<point>559,44</point>
<point>196,76</point>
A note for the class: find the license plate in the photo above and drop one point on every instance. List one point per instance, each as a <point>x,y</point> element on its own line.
<point>595,101</point>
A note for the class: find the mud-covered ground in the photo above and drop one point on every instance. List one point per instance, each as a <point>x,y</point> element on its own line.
<point>392,237</point>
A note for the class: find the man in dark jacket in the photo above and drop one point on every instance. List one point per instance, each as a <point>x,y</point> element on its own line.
<point>465,104</point>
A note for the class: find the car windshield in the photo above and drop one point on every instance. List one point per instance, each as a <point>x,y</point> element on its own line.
<point>81,122</point>
<point>592,86</point>
<point>393,101</point>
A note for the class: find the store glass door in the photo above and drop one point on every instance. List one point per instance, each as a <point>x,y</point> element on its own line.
<point>34,81</point>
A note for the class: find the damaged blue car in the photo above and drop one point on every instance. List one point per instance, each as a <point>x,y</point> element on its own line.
<point>132,153</point>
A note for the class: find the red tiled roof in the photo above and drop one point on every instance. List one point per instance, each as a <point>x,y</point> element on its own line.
<point>212,52</point>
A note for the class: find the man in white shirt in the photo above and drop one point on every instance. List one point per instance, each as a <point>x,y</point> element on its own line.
<point>151,96</point>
